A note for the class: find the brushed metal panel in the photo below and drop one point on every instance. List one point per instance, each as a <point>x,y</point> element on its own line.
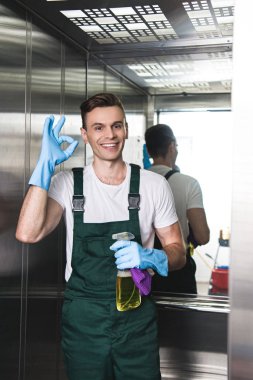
<point>74,95</point>
<point>9,337</point>
<point>47,258</point>
<point>43,351</point>
<point>241,280</point>
<point>46,92</point>
<point>193,344</point>
<point>96,83</point>
<point>74,62</point>
<point>13,52</point>
<point>12,63</point>
<point>47,261</point>
<point>12,131</point>
<point>96,78</point>
<point>45,74</point>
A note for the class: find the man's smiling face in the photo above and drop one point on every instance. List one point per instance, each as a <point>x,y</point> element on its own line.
<point>106,131</point>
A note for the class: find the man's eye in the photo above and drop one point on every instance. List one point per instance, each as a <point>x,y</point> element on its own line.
<point>98,128</point>
<point>117,126</point>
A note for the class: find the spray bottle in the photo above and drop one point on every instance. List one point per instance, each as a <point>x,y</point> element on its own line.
<point>127,294</point>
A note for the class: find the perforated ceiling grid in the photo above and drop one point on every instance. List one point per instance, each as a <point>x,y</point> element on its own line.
<point>149,23</point>
<point>123,24</point>
<point>162,46</point>
<point>205,75</point>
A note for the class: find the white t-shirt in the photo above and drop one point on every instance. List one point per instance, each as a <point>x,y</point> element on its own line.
<point>109,203</point>
<point>187,194</point>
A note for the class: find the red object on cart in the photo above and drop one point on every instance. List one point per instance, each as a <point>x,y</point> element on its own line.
<point>219,281</point>
<point>219,277</point>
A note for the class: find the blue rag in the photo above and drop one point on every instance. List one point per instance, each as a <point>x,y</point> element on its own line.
<point>142,279</point>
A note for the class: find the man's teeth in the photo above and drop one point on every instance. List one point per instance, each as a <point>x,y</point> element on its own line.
<point>109,145</point>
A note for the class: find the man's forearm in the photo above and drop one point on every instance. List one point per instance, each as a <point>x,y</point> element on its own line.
<point>176,253</point>
<point>32,215</point>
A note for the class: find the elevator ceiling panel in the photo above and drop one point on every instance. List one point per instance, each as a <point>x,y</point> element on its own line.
<point>163,46</point>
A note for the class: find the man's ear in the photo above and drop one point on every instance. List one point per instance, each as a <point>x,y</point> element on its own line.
<point>84,135</point>
<point>171,147</point>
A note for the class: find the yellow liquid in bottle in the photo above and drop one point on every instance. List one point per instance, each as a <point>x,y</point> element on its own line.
<point>127,294</point>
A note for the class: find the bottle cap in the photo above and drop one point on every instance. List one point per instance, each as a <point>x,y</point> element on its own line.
<point>123,236</point>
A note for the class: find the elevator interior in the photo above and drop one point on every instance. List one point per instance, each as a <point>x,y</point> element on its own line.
<point>156,56</point>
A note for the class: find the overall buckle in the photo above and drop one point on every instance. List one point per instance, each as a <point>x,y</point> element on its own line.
<point>134,201</point>
<point>78,203</point>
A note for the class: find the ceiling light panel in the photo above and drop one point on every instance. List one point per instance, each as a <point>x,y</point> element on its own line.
<point>123,24</point>
<point>73,14</point>
<point>123,11</point>
<point>211,20</point>
<point>202,75</point>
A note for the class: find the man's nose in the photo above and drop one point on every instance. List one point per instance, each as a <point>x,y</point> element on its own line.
<point>110,132</point>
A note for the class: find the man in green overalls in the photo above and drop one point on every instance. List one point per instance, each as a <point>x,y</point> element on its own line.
<point>99,201</point>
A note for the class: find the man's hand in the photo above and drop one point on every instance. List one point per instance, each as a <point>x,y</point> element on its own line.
<point>130,254</point>
<point>51,153</point>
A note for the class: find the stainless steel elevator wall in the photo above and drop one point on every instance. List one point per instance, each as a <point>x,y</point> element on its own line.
<point>12,121</point>
<point>42,74</point>
<point>193,343</point>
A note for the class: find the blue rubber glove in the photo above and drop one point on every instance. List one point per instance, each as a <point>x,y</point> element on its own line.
<point>146,158</point>
<point>130,254</point>
<point>51,153</point>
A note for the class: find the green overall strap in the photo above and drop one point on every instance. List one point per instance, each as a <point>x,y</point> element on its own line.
<point>134,196</point>
<point>78,197</point>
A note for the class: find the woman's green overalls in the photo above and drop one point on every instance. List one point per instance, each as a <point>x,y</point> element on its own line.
<point>100,342</point>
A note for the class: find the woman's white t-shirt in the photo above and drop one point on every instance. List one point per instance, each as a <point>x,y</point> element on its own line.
<point>109,203</point>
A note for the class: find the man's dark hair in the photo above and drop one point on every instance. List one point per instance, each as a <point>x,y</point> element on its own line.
<point>99,100</point>
<point>158,138</point>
